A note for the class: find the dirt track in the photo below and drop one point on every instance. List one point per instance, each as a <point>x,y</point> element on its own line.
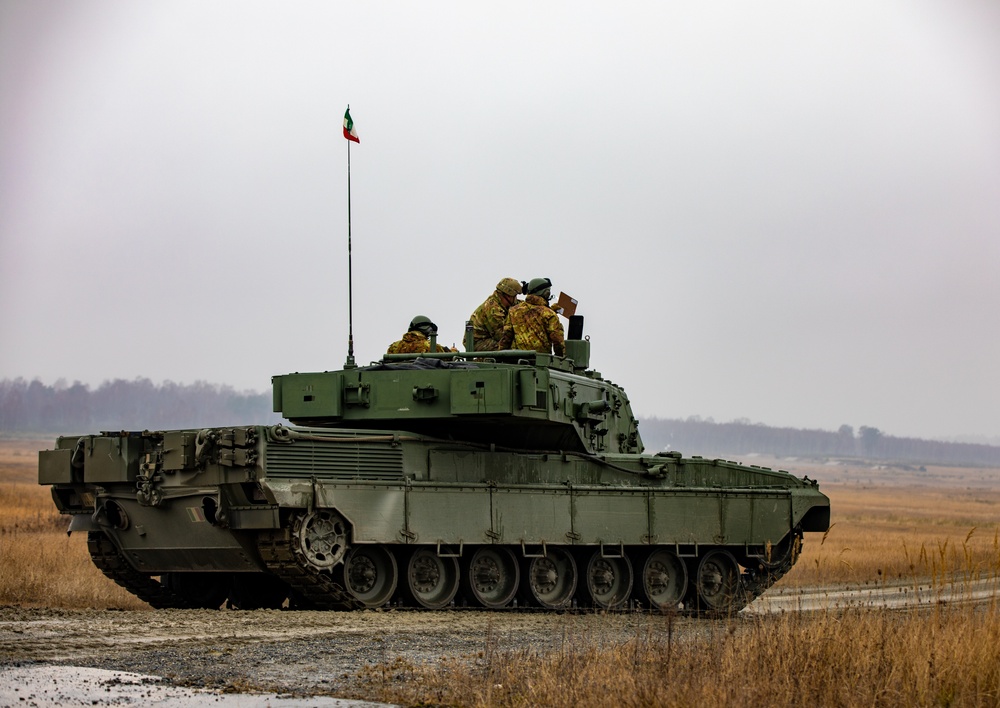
<point>302,652</point>
<point>332,653</point>
<point>349,654</point>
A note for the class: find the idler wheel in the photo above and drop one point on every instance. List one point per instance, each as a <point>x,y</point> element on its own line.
<point>609,580</point>
<point>370,574</point>
<point>664,580</point>
<point>320,537</point>
<point>492,576</point>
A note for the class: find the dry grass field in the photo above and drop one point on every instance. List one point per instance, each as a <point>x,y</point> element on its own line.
<point>41,565</point>
<point>894,524</point>
<point>890,526</point>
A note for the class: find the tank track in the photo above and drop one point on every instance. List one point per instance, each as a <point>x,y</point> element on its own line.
<point>112,563</point>
<point>316,589</point>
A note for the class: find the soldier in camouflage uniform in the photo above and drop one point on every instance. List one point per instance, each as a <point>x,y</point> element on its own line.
<point>488,319</point>
<point>532,324</point>
<point>417,340</point>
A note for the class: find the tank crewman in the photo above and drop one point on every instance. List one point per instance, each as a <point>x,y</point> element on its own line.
<point>488,319</point>
<point>532,324</point>
<point>417,340</point>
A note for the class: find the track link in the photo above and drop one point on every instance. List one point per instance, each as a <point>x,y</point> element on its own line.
<point>317,589</point>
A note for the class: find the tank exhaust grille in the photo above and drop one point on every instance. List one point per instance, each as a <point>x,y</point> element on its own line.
<point>341,461</point>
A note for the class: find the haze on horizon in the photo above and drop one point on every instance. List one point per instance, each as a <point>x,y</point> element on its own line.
<point>781,212</point>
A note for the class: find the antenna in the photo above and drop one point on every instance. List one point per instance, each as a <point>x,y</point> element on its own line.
<point>352,137</point>
<point>349,364</point>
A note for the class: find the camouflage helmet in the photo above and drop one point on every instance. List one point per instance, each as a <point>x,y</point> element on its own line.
<point>539,286</point>
<point>509,286</point>
<point>423,325</point>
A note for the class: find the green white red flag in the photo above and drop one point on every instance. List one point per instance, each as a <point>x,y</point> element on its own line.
<point>349,132</point>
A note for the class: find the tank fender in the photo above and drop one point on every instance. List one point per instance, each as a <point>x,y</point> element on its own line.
<point>289,493</point>
<point>82,522</point>
<point>810,509</point>
<point>816,519</point>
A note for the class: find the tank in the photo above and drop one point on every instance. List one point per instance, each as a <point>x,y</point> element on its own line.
<point>485,480</point>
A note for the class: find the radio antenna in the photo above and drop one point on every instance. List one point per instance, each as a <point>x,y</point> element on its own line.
<point>352,137</point>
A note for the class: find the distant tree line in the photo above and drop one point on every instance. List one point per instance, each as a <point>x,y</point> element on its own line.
<point>126,405</point>
<point>34,407</point>
<point>707,438</point>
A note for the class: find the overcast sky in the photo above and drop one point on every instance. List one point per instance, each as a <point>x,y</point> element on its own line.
<point>782,211</point>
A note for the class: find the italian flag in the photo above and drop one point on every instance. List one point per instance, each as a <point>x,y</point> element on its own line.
<point>349,132</point>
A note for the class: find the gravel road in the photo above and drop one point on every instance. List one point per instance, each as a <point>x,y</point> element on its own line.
<point>303,653</point>
<point>307,653</point>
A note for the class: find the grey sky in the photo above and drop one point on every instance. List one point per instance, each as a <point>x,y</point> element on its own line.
<point>781,211</point>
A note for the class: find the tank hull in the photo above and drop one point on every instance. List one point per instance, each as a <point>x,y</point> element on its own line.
<point>261,516</point>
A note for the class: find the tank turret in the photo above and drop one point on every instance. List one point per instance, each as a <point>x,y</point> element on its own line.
<point>518,400</point>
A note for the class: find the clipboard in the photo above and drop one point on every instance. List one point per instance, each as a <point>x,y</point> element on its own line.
<point>566,305</point>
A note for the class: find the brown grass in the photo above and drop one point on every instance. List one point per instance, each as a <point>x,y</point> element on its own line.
<point>41,565</point>
<point>19,459</point>
<point>882,534</point>
<point>943,657</point>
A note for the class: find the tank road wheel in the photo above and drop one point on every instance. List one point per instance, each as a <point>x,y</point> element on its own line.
<point>321,537</point>
<point>717,589</point>
<point>370,574</point>
<point>664,580</point>
<point>493,576</point>
<point>609,580</point>
<point>551,579</point>
<point>432,580</point>
<point>202,590</point>
<point>257,591</point>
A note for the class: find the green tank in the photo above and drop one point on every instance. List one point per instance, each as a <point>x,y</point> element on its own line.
<point>488,479</point>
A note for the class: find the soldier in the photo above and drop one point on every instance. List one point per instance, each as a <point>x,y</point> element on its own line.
<point>417,341</point>
<point>488,319</point>
<point>532,324</point>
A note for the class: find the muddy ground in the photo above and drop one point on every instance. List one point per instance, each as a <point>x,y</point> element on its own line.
<point>304,653</point>
<point>349,654</point>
